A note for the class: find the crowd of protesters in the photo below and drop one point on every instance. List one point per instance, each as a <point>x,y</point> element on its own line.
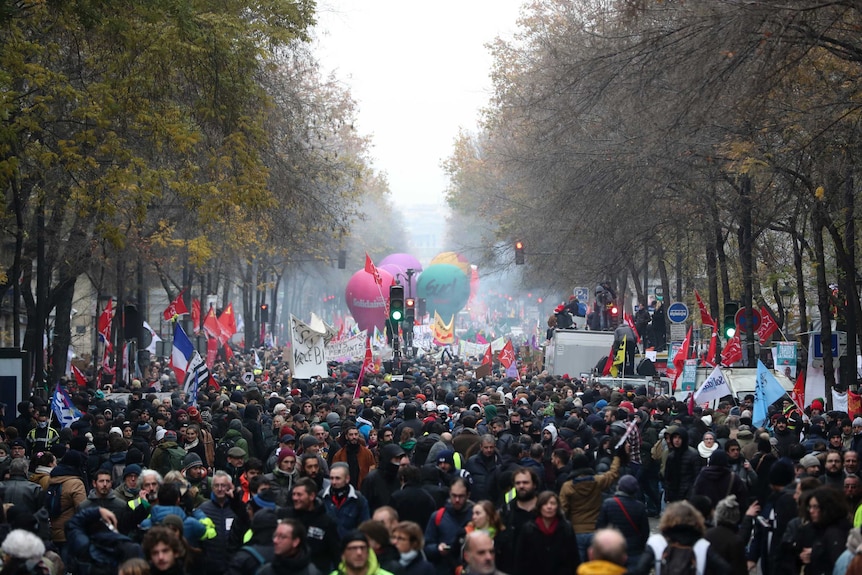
<point>432,473</point>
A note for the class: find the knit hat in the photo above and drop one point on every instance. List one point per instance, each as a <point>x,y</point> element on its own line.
<point>235,424</point>
<point>285,453</point>
<point>143,428</point>
<point>309,441</point>
<point>134,468</point>
<point>23,545</point>
<point>351,537</point>
<point>172,520</point>
<point>727,511</point>
<point>265,499</point>
<point>817,404</point>
<point>446,456</point>
<point>854,541</point>
<point>718,458</point>
<point>744,433</point>
<point>857,421</point>
<point>73,458</point>
<point>809,461</point>
<point>191,460</point>
<point>170,435</point>
<point>781,473</point>
<point>628,484</point>
<point>490,412</point>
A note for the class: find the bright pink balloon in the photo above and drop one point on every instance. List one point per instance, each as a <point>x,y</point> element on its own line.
<point>474,283</point>
<point>364,299</point>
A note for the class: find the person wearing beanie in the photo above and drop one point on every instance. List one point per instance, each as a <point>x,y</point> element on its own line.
<point>625,512</point>
<point>168,455</point>
<point>717,481</point>
<point>233,437</point>
<point>810,466</point>
<point>284,475</point>
<point>856,444</point>
<point>128,489</point>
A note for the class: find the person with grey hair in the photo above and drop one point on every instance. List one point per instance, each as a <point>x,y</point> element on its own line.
<point>20,491</point>
<point>22,552</point>
<point>219,510</point>
<point>725,538</point>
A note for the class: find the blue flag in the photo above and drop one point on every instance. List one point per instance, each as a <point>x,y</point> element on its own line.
<point>63,408</point>
<point>766,392</point>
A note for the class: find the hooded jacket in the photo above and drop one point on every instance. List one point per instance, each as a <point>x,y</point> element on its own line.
<point>323,539</point>
<point>581,496</point>
<point>373,565</point>
<point>74,493</point>
<point>681,468</point>
<point>298,565</point>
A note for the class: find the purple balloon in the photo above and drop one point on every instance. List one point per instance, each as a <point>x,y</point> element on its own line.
<point>404,262</point>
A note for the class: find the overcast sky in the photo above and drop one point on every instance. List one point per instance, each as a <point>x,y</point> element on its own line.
<point>418,71</point>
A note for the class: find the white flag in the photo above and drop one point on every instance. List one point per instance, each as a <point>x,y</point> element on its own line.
<point>715,387</point>
<point>152,347</point>
<point>197,371</point>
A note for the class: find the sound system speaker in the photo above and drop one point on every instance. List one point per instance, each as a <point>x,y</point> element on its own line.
<point>646,368</point>
<point>132,323</point>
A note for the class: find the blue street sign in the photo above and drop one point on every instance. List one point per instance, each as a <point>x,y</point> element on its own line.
<point>677,312</point>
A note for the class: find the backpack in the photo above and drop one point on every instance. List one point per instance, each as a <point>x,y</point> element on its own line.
<point>175,458</point>
<point>423,448</point>
<point>54,500</point>
<point>222,447</point>
<point>678,560</point>
<point>117,471</point>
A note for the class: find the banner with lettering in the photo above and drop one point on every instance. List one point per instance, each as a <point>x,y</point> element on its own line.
<point>308,354</point>
<point>784,357</point>
<point>347,349</point>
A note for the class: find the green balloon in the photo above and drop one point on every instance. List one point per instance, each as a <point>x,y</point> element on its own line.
<point>445,289</point>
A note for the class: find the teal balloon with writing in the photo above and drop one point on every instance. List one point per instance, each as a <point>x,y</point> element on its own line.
<point>445,289</point>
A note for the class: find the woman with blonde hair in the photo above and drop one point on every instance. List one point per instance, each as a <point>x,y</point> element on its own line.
<point>136,566</point>
<point>486,518</point>
<point>408,539</point>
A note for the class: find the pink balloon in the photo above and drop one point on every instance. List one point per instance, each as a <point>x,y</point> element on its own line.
<point>403,262</point>
<point>364,299</point>
<point>474,283</point>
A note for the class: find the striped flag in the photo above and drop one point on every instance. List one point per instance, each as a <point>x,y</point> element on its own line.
<point>197,372</point>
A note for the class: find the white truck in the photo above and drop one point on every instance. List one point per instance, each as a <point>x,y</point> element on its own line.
<point>577,351</point>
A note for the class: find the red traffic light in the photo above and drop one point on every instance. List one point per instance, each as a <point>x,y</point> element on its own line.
<point>519,245</point>
<point>410,303</point>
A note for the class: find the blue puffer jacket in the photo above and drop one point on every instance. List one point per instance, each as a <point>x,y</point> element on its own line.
<point>193,529</point>
<point>353,511</point>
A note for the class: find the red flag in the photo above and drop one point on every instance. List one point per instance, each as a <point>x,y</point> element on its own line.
<point>798,393</point>
<point>79,377</point>
<point>488,357</point>
<point>507,355</point>
<point>104,324</point>
<point>227,319</point>
<point>713,348</point>
<point>211,325</point>
<point>196,315</point>
<point>366,366</point>
<point>609,363</point>
<point>854,404</point>
<point>705,317</point>
<point>175,308</point>
<point>631,323</point>
<point>228,353</point>
<point>732,352</point>
<point>372,269</point>
<point>681,356</point>
<point>212,352</point>
<point>768,325</point>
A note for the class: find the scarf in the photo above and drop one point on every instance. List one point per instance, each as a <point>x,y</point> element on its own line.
<point>547,530</point>
<point>193,444</point>
<point>705,451</point>
<point>406,558</point>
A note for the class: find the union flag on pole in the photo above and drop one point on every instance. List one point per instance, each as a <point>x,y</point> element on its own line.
<point>79,377</point>
<point>713,342</point>
<point>196,315</point>
<point>175,308</point>
<point>367,363</point>
<point>227,319</point>
<point>768,325</point>
<point>372,269</point>
<point>705,317</point>
<point>211,325</point>
<point>488,358</point>
<point>732,352</point>
<point>798,393</point>
<point>680,357</point>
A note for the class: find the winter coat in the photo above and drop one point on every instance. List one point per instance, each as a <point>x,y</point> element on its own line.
<point>484,472</point>
<point>23,494</point>
<point>581,496</point>
<point>450,530</point>
<point>323,540</point>
<point>215,550</point>
<point>548,554</point>
<point>74,493</point>
<point>349,513</point>
<point>717,482</point>
<point>725,541</point>
<point>418,566</point>
<point>373,566</point>
<point>299,565</point>
<point>365,459</point>
<point>680,469</point>
<point>380,484</point>
<point>112,503</point>
<point>413,503</point>
<point>633,523</point>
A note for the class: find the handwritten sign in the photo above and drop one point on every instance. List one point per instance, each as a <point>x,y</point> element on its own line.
<point>308,354</point>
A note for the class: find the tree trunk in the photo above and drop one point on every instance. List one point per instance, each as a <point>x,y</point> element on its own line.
<point>823,303</point>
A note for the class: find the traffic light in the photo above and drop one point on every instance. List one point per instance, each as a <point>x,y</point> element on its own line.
<point>729,325</point>
<point>410,310</point>
<point>264,313</point>
<point>519,253</point>
<point>420,307</point>
<point>396,303</point>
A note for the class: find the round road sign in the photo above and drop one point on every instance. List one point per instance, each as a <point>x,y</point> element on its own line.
<point>739,319</point>
<point>677,312</point>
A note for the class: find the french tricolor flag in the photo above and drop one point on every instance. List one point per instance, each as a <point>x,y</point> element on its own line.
<point>182,353</point>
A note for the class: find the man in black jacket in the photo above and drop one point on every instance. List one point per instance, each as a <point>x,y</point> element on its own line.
<point>259,549</point>
<point>291,555</point>
<point>321,528</point>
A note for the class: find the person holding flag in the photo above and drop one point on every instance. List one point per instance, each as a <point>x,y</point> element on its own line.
<point>625,340</point>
